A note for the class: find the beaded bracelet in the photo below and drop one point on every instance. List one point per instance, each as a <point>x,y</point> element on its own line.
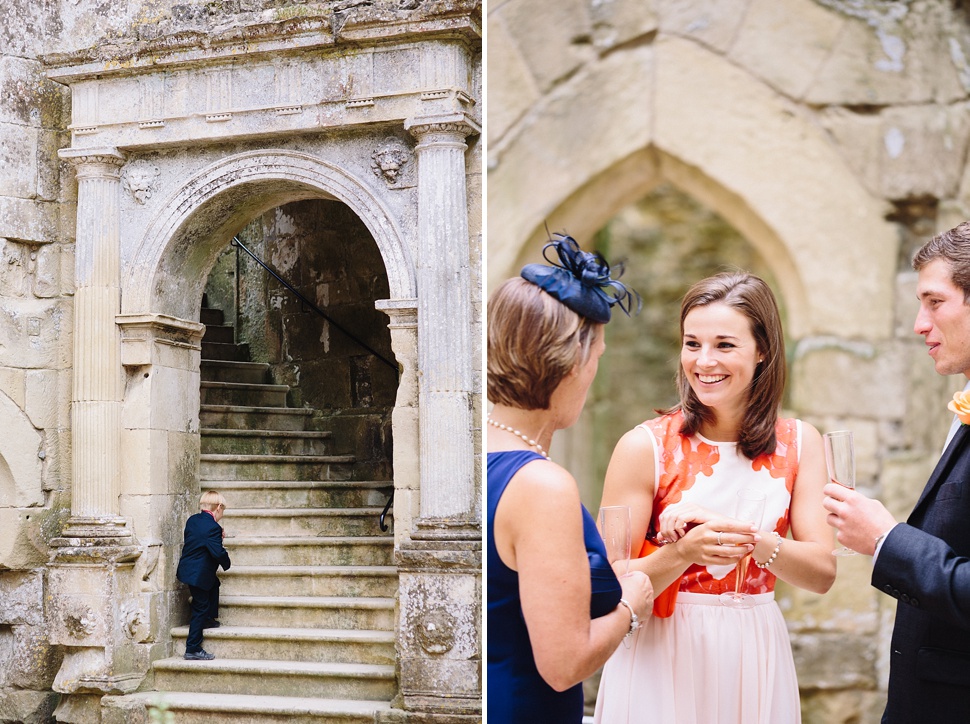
<point>774,553</point>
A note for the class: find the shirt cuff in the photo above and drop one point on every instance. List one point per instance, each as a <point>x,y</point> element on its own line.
<point>879,541</point>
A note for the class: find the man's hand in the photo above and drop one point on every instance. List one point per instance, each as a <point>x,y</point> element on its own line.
<point>859,520</point>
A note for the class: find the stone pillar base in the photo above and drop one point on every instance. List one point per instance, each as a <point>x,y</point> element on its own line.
<point>399,716</point>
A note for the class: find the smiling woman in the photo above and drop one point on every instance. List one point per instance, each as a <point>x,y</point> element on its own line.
<point>681,474</point>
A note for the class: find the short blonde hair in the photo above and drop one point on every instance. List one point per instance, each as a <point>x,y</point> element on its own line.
<point>211,500</point>
<point>534,340</point>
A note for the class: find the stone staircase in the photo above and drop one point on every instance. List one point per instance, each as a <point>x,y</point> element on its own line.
<point>307,608</point>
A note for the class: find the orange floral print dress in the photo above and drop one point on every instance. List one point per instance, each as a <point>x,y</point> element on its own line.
<point>707,663</point>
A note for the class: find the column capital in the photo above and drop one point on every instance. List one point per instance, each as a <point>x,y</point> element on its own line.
<point>444,127</point>
<point>103,162</point>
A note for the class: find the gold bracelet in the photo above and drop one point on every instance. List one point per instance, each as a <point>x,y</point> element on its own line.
<point>774,553</point>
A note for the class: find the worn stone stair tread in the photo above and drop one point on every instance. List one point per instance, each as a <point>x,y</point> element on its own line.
<point>217,385</point>
<point>297,484</point>
<point>278,668</point>
<point>246,703</point>
<point>238,364</point>
<point>251,409</point>
<point>268,633</point>
<point>299,434</point>
<point>230,458</point>
<point>308,540</point>
<point>359,602</point>
<point>302,512</point>
<point>283,570</point>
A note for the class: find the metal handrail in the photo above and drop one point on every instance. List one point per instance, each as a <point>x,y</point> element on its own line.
<point>393,365</point>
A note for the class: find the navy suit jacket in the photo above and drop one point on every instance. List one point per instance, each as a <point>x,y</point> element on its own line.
<point>925,564</point>
<point>202,552</point>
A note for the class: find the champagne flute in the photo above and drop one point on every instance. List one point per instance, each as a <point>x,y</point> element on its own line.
<point>750,509</point>
<point>840,462</point>
<point>615,529</point>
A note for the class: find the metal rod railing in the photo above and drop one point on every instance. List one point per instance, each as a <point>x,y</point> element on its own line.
<point>393,365</point>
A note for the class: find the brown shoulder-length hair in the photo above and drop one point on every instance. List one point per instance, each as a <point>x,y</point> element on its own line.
<point>954,247</point>
<point>534,340</point>
<point>753,298</point>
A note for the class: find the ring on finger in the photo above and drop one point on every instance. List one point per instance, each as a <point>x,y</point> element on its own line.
<point>719,537</point>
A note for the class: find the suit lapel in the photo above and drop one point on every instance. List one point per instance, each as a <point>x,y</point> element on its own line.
<point>956,446</point>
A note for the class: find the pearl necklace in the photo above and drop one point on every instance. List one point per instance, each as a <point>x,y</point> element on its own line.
<point>518,433</point>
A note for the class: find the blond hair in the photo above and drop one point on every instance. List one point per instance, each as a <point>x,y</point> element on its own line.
<point>211,500</point>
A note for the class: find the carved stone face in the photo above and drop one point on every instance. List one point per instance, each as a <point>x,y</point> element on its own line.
<point>140,180</point>
<point>389,161</point>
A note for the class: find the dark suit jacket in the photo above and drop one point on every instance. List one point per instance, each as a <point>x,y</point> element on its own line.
<point>202,552</point>
<point>925,564</point>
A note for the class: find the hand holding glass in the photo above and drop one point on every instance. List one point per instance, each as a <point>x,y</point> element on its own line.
<point>750,509</point>
<point>840,462</point>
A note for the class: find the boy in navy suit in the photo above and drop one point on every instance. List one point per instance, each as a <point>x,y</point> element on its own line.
<point>202,554</point>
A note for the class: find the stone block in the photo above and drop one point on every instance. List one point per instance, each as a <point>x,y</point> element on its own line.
<point>145,450</point>
<point>616,22</point>
<point>548,36</point>
<point>48,267</point>
<point>47,403</point>
<point>713,23</point>
<point>36,333</point>
<point>33,662</point>
<point>842,706</point>
<point>18,160</point>
<point>28,219</point>
<point>24,542</point>
<point>903,479</point>
<point>22,598</point>
<point>27,707</point>
<point>865,374</point>
<point>880,60</point>
<point>785,42</point>
<point>834,661</point>
<point>13,385</point>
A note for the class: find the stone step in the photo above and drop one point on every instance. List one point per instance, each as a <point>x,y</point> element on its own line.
<point>309,551</point>
<point>219,333</point>
<point>273,522</point>
<point>328,612</point>
<point>206,708</point>
<point>294,644</point>
<point>303,493</point>
<point>232,371</point>
<point>271,442</point>
<point>293,580</point>
<point>218,350</point>
<point>277,678</point>
<point>242,417</point>
<point>211,315</point>
<point>275,467</point>
<point>243,393</point>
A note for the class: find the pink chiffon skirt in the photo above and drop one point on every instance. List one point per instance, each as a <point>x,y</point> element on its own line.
<point>706,664</point>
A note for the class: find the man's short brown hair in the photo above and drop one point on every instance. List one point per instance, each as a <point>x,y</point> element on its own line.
<point>533,342</point>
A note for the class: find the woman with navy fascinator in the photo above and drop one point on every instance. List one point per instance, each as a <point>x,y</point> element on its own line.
<point>556,609</point>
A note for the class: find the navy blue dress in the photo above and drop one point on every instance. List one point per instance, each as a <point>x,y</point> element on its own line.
<point>516,691</point>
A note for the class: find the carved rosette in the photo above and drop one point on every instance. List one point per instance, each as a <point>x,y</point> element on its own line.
<point>436,631</point>
<point>80,621</point>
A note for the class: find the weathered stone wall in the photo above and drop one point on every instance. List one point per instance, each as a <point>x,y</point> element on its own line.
<point>832,136</point>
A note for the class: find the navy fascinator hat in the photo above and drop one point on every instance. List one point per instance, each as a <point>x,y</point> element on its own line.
<point>581,280</point>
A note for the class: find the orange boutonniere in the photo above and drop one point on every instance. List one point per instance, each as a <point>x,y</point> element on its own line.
<point>960,406</point>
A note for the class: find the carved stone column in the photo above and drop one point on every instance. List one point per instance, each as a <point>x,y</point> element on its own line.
<point>444,330</point>
<point>439,556</point>
<point>97,394</point>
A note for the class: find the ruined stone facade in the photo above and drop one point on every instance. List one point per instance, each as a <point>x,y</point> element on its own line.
<point>135,141</point>
<point>832,136</point>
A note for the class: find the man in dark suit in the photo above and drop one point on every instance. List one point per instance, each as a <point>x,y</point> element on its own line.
<point>925,562</point>
<point>202,554</point>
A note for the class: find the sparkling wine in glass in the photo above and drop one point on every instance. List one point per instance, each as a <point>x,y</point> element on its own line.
<point>840,462</point>
<point>615,528</point>
<point>750,509</point>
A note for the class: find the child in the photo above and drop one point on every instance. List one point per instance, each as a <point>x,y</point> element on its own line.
<point>202,554</point>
